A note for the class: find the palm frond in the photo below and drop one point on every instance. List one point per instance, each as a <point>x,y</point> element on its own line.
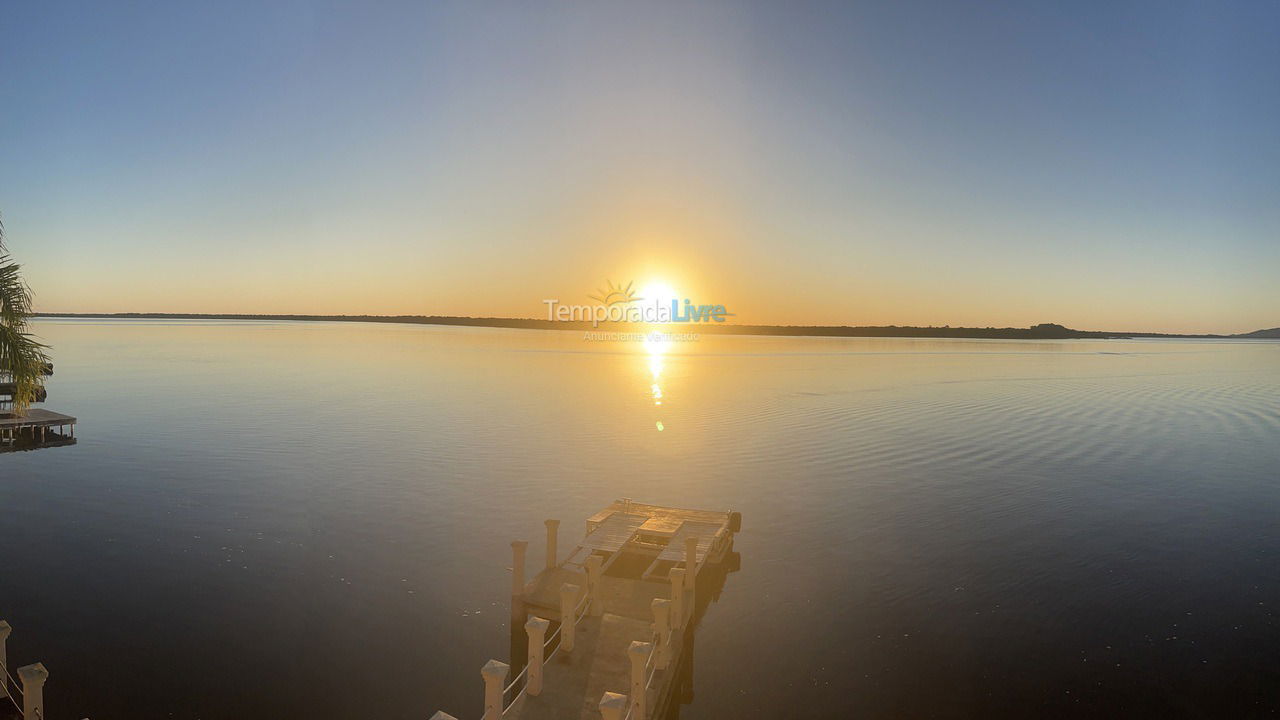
<point>22,357</point>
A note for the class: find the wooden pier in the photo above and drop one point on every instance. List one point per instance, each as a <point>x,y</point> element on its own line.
<point>608,631</point>
<point>37,428</point>
<point>34,428</point>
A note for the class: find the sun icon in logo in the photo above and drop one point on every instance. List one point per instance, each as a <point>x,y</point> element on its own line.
<point>615,294</point>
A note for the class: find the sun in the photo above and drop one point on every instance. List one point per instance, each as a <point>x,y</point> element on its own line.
<point>660,291</point>
<point>656,344</point>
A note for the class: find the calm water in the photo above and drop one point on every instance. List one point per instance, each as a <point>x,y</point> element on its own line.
<point>271,520</point>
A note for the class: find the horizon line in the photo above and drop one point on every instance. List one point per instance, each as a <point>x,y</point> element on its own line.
<point>1039,331</point>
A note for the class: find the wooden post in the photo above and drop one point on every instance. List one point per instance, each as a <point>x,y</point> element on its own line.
<point>639,653</point>
<point>5,629</point>
<point>553,531</point>
<point>537,629</point>
<point>677,598</point>
<point>662,628</point>
<point>568,601</point>
<point>691,565</point>
<point>519,645</point>
<point>495,676</point>
<point>518,548</point>
<point>594,574</point>
<point>32,678</point>
<point>612,706</point>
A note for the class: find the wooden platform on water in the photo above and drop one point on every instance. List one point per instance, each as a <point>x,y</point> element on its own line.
<point>36,417</point>
<point>37,428</point>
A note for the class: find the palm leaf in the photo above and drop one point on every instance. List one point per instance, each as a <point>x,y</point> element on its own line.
<point>22,357</point>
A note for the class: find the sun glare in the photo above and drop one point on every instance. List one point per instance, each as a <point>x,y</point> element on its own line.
<point>659,291</point>
<point>656,344</point>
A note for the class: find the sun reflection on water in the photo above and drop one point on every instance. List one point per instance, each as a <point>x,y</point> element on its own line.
<point>656,345</point>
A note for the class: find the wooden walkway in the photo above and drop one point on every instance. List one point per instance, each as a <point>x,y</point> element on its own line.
<point>574,682</point>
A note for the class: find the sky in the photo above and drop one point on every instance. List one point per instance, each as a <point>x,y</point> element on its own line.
<point>1110,166</point>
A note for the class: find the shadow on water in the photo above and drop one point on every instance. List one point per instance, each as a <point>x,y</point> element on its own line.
<point>709,587</point>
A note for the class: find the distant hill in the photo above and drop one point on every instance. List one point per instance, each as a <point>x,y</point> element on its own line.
<point>1272,334</point>
<point>1043,331</point>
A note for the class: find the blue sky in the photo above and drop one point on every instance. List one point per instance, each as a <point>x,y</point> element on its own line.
<point>1103,165</point>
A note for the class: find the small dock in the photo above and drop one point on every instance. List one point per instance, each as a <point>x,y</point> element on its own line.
<point>37,428</point>
<point>607,632</point>
<point>34,428</point>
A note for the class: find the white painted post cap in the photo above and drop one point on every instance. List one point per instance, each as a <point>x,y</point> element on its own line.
<point>613,701</point>
<point>34,673</point>
<point>495,669</point>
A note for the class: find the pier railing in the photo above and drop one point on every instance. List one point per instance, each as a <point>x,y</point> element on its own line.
<point>649,658</point>
<point>575,606</point>
<point>26,696</point>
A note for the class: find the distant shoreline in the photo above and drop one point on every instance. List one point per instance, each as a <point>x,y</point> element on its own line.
<point>1045,331</point>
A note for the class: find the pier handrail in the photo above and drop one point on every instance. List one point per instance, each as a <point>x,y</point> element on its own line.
<point>658,657</point>
<point>577,618</point>
<point>11,684</point>
<point>30,690</point>
<point>580,612</point>
<point>637,703</point>
<point>665,626</point>
<point>651,671</point>
<point>658,648</point>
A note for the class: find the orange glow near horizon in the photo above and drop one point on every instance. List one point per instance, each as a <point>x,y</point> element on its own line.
<point>786,295</point>
<point>880,291</point>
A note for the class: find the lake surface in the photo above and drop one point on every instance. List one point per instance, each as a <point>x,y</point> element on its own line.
<point>275,520</point>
